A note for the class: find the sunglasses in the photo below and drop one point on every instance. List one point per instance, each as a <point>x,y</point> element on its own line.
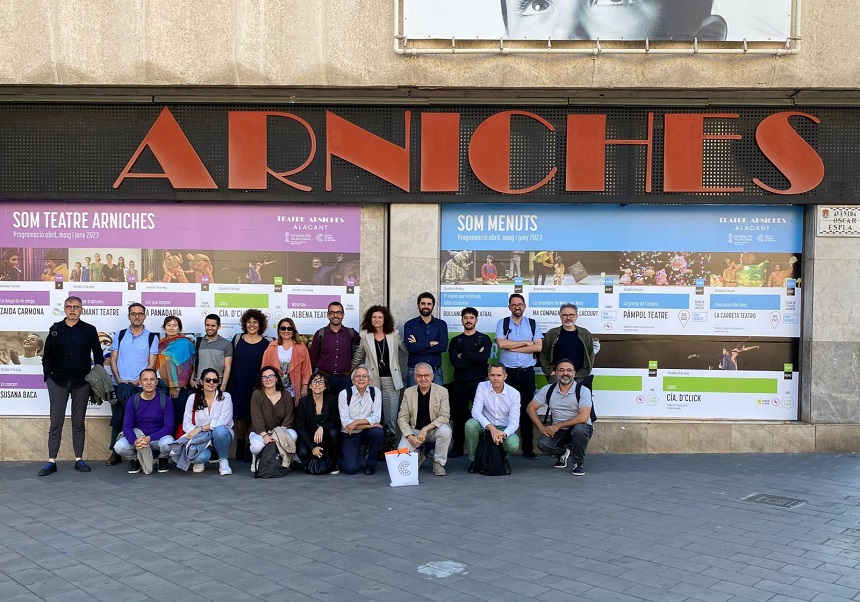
<point>210,380</point>
<point>287,328</point>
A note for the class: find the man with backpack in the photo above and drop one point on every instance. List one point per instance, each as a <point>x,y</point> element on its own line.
<point>331,350</point>
<point>360,409</point>
<point>566,428</point>
<point>496,409</point>
<point>147,426</point>
<point>567,341</point>
<point>213,352</point>
<point>133,349</point>
<point>519,339</point>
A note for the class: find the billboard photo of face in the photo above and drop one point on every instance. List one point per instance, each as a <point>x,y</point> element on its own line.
<point>605,20</point>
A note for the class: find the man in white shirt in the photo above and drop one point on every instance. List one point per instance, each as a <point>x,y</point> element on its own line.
<point>360,408</point>
<point>496,409</point>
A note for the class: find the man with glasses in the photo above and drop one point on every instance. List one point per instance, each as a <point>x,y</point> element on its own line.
<point>360,409</point>
<point>423,418</point>
<point>519,340</point>
<point>133,350</point>
<point>213,351</point>
<point>426,339</point>
<point>70,351</point>
<point>567,341</point>
<point>567,426</point>
<point>331,349</point>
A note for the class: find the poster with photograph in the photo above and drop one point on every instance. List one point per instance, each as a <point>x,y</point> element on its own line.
<point>605,20</point>
<point>183,260</point>
<point>696,308</point>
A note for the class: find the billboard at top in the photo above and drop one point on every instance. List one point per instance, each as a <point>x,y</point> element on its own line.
<point>695,310</point>
<point>184,260</point>
<point>621,20</point>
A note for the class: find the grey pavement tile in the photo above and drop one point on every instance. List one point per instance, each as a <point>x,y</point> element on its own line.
<point>827,587</point>
<point>605,595</point>
<point>731,576</point>
<point>770,575</point>
<point>699,593</point>
<point>76,595</point>
<point>793,590</point>
<point>656,595</point>
<point>745,591</point>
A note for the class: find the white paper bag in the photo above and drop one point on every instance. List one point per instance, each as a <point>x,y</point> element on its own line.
<point>402,467</point>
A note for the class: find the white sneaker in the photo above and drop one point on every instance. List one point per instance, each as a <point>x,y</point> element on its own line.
<point>198,467</point>
<point>224,467</point>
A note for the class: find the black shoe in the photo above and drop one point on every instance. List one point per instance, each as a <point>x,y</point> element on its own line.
<point>133,467</point>
<point>472,469</point>
<point>48,468</point>
<point>370,470</point>
<point>561,461</point>
<point>162,465</point>
<point>507,467</point>
<point>530,455</point>
<point>113,460</point>
<point>455,453</point>
<point>82,466</point>
<point>578,470</point>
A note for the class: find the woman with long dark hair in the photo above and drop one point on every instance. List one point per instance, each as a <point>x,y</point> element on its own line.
<point>317,424</point>
<point>271,406</point>
<point>290,358</point>
<point>209,409</point>
<point>380,351</point>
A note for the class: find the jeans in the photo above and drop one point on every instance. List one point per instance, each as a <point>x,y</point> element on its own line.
<point>461,394</point>
<point>474,432</point>
<point>440,436</point>
<point>524,382</point>
<point>221,438</point>
<point>390,402</point>
<point>127,450</point>
<point>410,376</point>
<point>577,437</point>
<point>351,444</point>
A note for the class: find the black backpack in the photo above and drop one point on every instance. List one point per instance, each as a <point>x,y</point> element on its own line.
<point>489,457</point>
<point>586,382</point>
<point>152,337</point>
<point>268,463</point>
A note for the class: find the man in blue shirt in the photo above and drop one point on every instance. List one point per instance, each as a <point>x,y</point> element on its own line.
<point>133,349</point>
<point>426,339</point>
<point>519,338</point>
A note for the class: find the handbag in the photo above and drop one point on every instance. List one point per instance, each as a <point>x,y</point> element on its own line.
<point>489,459</point>
<point>319,465</point>
<point>402,467</point>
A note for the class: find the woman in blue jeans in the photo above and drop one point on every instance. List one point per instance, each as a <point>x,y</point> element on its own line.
<point>209,409</point>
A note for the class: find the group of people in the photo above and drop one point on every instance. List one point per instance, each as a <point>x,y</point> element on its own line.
<point>191,400</point>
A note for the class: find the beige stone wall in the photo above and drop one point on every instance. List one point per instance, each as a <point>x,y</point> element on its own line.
<point>349,43</point>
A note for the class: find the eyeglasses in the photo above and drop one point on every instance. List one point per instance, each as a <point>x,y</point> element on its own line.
<point>362,376</point>
<point>136,314</point>
<point>210,380</point>
<point>517,305</point>
<point>568,315</point>
<point>72,307</point>
<point>317,382</point>
<point>286,328</point>
<point>423,376</point>
<point>269,376</point>
<point>335,313</point>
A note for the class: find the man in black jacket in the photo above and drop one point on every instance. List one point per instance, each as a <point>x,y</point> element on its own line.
<point>70,345</point>
<point>469,353</point>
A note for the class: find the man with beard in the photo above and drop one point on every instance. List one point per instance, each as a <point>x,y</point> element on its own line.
<point>426,339</point>
<point>566,428</point>
<point>469,353</point>
<point>519,339</point>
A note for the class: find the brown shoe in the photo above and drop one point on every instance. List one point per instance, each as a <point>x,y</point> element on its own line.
<point>439,470</point>
<point>113,460</point>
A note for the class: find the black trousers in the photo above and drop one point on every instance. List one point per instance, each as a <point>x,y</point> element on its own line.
<point>58,395</point>
<point>461,393</point>
<point>523,380</point>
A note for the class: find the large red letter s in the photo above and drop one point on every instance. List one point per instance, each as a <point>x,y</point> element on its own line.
<point>789,153</point>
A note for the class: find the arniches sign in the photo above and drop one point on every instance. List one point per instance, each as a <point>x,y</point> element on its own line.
<point>397,154</point>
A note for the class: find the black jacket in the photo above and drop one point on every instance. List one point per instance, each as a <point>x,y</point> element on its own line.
<point>68,350</point>
<point>472,363</point>
<point>306,412</point>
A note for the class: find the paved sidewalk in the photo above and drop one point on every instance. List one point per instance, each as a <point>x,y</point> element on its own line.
<point>662,528</point>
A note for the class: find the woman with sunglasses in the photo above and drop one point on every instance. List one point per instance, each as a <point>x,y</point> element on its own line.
<point>290,358</point>
<point>271,406</point>
<point>317,423</point>
<point>208,409</point>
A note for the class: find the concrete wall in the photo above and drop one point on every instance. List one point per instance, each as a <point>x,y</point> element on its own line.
<point>349,43</point>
